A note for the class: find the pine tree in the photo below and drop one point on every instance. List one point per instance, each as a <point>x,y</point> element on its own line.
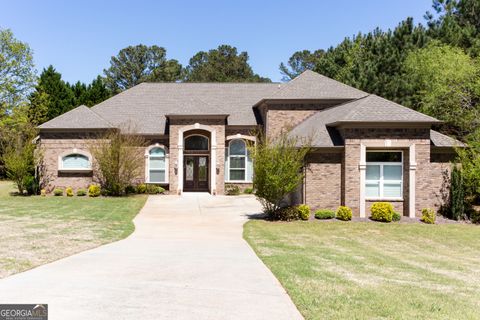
<point>60,96</point>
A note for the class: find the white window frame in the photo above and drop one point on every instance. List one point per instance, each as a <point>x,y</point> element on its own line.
<point>71,153</point>
<point>147,164</point>
<point>382,181</point>
<point>227,169</point>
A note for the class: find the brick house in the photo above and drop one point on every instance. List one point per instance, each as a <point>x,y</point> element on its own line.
<point>365,148</point>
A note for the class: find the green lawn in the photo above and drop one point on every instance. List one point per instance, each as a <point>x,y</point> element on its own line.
<point>36,230</point>
<point>347,270</point>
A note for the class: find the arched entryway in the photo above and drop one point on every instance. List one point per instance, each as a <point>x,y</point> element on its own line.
<point>197,158</point>
<point>196,164</point>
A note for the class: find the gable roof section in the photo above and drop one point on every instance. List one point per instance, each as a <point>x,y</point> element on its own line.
<point>319,126</point>
<point>373,108</point>
<point>147,104</point>
<point>81,117</point>
<point>311,85</point>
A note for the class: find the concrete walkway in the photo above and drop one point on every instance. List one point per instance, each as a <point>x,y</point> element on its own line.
<point>186,260</point>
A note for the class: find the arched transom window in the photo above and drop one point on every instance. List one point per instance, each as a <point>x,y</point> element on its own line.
<point>196,143</point>
<point>75,161</point>
<point>157,165</point>
<point>238,163</point>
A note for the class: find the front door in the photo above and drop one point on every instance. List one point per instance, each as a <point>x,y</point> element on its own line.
<point>195,173</point>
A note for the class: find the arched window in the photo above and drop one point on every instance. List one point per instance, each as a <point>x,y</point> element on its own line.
<point>157,165</point>
<point>196,143</point>
<point>75,161</point>
<point>239,166</point>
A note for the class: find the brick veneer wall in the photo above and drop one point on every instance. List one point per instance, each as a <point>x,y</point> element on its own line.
<point>52,145</point>
<point>282,120</point>
<point>399,138</point>
<point>323,180</point>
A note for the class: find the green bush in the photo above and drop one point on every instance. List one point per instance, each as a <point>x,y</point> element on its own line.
<point>382,211</point>
<point>130,189</point>
<point>396,216</point>
<point>428,215</point>
<point>31,185</point>
<point>475,216</point>
<point>81,193</point>
<point>304,212</point>
<point>325,214</point>
<point>58,192</point>
<point>285,214</point>
<point>232,189</point>
<point>248,191</point>
<point>344,213</point>
<point>142,188</point>
<point>457,195</point>
<point>153,189</point>
<point>94,190</point>
<point>69,192</point>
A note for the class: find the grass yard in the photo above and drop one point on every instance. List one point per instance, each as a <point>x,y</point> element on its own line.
<point>338,270</point>
<point>36,230</point>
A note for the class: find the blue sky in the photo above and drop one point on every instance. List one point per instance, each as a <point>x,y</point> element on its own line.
<point>79,37</point>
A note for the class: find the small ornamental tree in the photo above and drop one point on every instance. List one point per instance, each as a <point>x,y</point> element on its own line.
<point>118,159</point>
<point>277,166</point>
<point>19,157</point>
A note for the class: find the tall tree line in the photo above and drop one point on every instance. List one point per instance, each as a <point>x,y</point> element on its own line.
<point>432,68</point>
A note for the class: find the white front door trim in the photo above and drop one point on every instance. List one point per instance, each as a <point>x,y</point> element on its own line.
<point>213,155</point>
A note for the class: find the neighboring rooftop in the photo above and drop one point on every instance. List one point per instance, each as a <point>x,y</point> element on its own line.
<point>81,117</point>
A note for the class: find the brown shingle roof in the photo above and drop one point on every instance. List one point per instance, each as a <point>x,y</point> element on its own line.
<point>81,117</point>
<point>148,103</point>
<point>319,126</point>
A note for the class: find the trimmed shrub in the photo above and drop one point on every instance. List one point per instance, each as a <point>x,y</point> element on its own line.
<point>153,189</point>
<point>142,188</point>
<point>43,193</point>
<point>475,216</point>
<point>286,214</point>
<point>94,191</point>
<point>69,192</point>
<point>58,192</point>
<point>232,189</point>
<point>325,214</point>
<point>396,216</point>
<point>304,212</point>
<point>344,213</point>
<point>382,211</point>
<point>81,193</point>
<point>428,216</point>
<point>130,189</point>
<point>248,191</point>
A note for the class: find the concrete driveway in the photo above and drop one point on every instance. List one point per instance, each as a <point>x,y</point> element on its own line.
<point>186,260</point>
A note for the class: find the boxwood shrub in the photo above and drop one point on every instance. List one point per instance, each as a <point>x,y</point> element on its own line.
<point>58,192</point>
<point>344,213</point>
<point>428,215</point>
<point>232,189</point>
<point>382,211</point>
<point>94,190</point>
<point>304,212</point>
<point>81,193</point>
<point>324,214</point>
<point>396,216</point>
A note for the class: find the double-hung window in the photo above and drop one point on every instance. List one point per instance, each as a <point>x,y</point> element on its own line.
<point>239,163</point>
<point>156,165</point>
<point>384,175</point>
